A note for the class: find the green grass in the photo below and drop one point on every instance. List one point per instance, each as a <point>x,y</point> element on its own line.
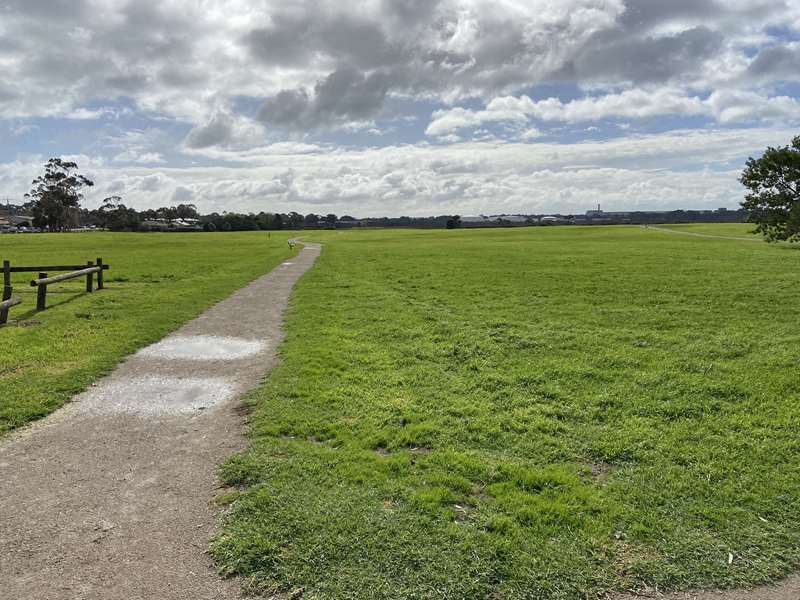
<point>527,413</point>
<point>156,283</point>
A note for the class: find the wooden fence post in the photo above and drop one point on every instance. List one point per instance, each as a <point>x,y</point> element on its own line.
<point>6,296</point>
<point>89,278</point>
<point>6,290</point>
<point>99,263</point>
<point>41,294</point>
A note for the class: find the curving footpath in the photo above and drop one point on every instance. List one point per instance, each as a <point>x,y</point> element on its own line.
<point>703,235</point>
<point>111,496</point>
<point>788,589</point>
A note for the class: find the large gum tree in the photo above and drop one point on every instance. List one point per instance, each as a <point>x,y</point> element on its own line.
<point>56,195</point>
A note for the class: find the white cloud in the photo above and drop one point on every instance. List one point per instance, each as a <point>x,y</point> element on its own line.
<point>87,114</point>
<point>683,169</point>
<point>724,106</point>
<point>745,106</point>
<point>145,158</point>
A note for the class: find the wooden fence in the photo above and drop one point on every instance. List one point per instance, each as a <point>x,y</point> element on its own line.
<point>74,271</point>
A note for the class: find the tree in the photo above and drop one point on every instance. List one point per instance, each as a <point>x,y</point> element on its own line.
<point>311,220</point>
<point>186,211</point>
<point>167,213</point>
<point>56,195</point>
<point>774,197</point>
<point>114,215</point>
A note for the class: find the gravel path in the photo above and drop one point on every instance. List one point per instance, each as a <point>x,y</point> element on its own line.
<point>111,496</point>
<point>788,589</point>
<point>704,235</point>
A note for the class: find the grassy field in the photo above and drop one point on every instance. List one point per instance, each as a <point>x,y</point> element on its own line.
<point>527,413</point>
<point>156,283</point>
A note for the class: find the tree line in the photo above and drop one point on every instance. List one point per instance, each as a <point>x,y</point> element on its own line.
<point>772,202</point>
<point>54,203</point>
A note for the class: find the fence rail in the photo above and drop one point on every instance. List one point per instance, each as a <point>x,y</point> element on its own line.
<point>75,271</point>
<point>64,277</point>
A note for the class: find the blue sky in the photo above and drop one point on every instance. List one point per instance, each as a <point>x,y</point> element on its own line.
<point>389,107</point>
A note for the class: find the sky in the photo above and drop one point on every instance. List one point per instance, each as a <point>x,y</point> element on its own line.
<point>398,107</point>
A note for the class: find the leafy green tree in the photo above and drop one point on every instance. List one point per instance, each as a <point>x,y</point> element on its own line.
<point>114,215</point>
<point>186,211</point>
<point>774,197</point>
<point>56,195</point>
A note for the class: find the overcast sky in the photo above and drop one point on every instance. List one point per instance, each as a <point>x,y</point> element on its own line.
<point>390,107</point>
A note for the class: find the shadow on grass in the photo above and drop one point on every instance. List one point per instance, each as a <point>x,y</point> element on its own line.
<point>55,298</point>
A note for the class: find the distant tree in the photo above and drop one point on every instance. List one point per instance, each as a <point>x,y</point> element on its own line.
<point>774,198</point>
<point>453,222</point>
<point>294,220</point>
<point>331,219</point>
<point>186,211</point>
<point>311,220</point>
<point>114,215</point>
<point>167,213</point>
<point>56,195</point>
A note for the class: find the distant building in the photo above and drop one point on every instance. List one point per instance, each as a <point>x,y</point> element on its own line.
<point>512,218</point>
<point>553,220</point>
<point>594,213</point>
<point>16,221</point>
<point>174,225</point>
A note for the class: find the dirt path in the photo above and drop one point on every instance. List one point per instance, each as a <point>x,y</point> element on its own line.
<point>705,235</point>
<point>110,497</point>
<point>788,589</point>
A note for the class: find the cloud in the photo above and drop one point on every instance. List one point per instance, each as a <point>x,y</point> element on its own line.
<point>181,58</point>
<point>147,158</point>
<point>691,168</point>
<point>777,63</point>
<point>87,114</point>
<point>654,58</point>
<point>344,96</point>
<point>744,106</point>
<point>217,131</point>
<point>223,129</point>
<point>724,107</point>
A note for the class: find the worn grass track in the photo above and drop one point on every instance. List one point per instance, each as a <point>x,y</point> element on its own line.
<point>157,282</point>
<point>528,413</point>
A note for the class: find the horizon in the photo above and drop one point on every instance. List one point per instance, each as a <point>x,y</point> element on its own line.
<point>399,108</point>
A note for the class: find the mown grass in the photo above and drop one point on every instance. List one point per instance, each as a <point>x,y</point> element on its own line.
<point>528,413</point>
<point>156,283</point>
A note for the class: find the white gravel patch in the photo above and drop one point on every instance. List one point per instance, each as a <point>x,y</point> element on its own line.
<point>203,347</point>
<point>151,396</point>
